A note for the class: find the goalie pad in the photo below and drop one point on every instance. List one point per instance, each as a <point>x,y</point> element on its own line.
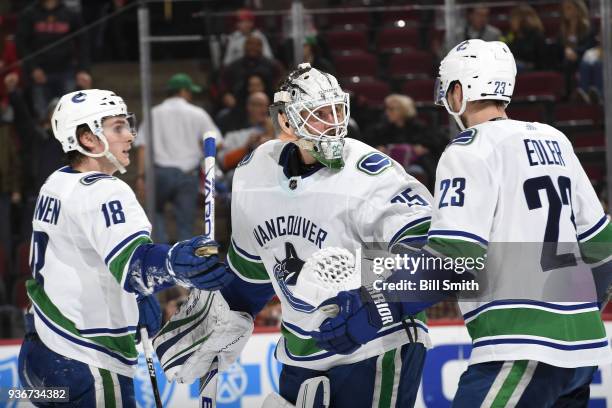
<point>313,393</point>
<point>203,328</point>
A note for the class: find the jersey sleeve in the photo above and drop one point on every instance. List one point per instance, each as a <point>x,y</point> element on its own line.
<point>593,227</point>
<point>396,210</point>
<point>464,204</point>
<point>114,223</point>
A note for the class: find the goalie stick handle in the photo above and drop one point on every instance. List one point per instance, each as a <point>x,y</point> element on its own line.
<point>148,353</point>
<point>210,151</point>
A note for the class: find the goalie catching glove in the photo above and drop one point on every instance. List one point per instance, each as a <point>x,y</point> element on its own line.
<point>202,329</point>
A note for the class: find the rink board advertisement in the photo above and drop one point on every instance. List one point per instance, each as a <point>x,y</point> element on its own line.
<point>247,383</point>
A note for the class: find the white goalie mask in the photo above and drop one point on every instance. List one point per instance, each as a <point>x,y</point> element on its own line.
<point>317,110</point>
<point>486,70</point>
<point>88,107</point>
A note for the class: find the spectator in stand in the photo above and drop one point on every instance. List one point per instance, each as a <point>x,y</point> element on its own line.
<point>253,62</point>
<point>407,140</point>
<point>83,81</point>
<point>245,27</point>
<point>178,127</point>
<point>478,26</point>
<point>238,143</point>
<point>575,37</point>
<point>10,170</point>
<point>51,65</point>
<point>313,55</point>
<point>526,38</point>
<point>40,152</point>
<point>590,86</point>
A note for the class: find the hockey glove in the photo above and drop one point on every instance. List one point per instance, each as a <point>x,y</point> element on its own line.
<point>361,315</point>
<point>149,315</point>
<point>193,271</point>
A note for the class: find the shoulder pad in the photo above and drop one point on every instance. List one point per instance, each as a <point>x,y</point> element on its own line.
<point>374,163</point>
<point>464,138</point>
<point>92,178</point>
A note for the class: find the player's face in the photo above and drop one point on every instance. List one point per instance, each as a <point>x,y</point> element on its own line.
<point>119,134</point>
<point>322,119</point>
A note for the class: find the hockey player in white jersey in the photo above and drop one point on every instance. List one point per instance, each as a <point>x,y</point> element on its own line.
<point>311,189</point>
<point>91,256</point>
<point>510,184</point>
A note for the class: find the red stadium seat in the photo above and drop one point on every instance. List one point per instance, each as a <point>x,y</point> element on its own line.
<point>394,17</point>
<point>20,295</point>
<point>398,39</point>
<point>411,64</point>
<point>373,92</point>
<point>3,264</point>
<point>544,85</point>
<point>420,90</point>
<point>360,64</point>
<point>344,19</point>
<point>551,27</point>
<point>527,113</point>
<point>339,41</point>
<point>23,259</point>
<point>572,114</point>
<point>589,139</point>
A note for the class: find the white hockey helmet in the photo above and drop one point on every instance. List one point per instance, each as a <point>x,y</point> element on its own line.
<point>301,96</point>
<point>485,69</point>
<point>88,107</point>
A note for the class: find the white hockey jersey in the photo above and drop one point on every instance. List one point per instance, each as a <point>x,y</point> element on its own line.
<point>85,228</point>
<point>517,190</point>
<point>279,221</point>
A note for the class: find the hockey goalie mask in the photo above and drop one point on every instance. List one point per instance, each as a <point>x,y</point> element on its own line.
<point>317,110</point>
<point>89,107</point>
<point>486,70</point>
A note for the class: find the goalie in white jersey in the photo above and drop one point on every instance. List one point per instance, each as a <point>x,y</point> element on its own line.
<point>91,256</point>
<point>310,190</point>
<point>513,185</point>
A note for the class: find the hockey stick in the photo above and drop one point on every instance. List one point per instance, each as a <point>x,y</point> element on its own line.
<point>208,382</point>
<point>148,352</point>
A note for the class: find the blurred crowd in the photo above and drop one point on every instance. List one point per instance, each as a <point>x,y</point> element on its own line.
<point>385,60</point>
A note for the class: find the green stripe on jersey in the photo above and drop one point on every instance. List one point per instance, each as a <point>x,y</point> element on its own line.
<point>417,230</point>
<point>119,262</point>
<point>109,389</point>
<point>599,247</point>
<point>175,324</point>
<point>456,248</point>
<point>123,345</point>
<point>247,268</point>
<point>512,380</point>
<point>299,346</point>
<point>535,322</point>
<point>387,380</point>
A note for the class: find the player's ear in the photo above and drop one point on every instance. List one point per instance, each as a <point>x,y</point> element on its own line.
<point>87,139</point>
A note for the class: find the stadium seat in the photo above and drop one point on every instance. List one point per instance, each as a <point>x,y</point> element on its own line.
<point>399,18</point>
<point>373,91</point>
<point>543,85</point>
<point>577,114</point>
<point>344,19</point>
<point>551,27</point>
<point>589,139</point>
<point>23,259</point>
<point>3,265</point>
<point>361,64</point>
<point>411,64</point>
<point>341,41</point>
<point>395,40</point>
<point>20,295</point>
<point>420,90</point>
<point>528,113</point>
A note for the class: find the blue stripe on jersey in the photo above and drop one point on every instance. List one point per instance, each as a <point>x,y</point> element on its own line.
<point>568,347</point>
<point>553,306</point>
<point>245,253</point>
<point>68,169</point>
<point>380,334</point>
<point>83,343</point>
<point>407,227</point>
<point>101,330</point>
<point>120,245</point>
<point>451,233</point>
<point>595,227</point>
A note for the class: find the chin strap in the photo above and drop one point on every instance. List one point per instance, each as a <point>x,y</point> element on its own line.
<point>456,115</point>
<point>106,153</point>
